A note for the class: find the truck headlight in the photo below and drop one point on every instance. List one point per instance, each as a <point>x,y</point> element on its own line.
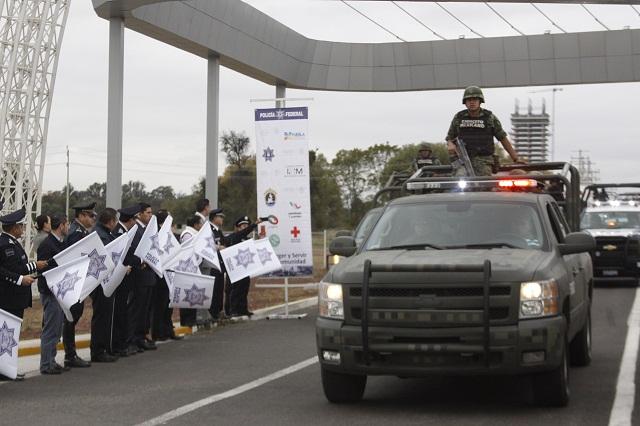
<point>330,301</point>
<point>539,299</point>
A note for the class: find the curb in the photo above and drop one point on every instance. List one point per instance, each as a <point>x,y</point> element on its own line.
<point>32,346</point>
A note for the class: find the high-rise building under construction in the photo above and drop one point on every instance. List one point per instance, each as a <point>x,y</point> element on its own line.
<point>530,132</point>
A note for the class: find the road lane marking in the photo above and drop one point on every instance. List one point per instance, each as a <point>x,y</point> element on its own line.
<point>625,390</point>
<point>185,409</point>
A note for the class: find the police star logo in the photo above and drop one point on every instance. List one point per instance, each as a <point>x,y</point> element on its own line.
<point>96,265</point>
<point>155,244</point>
<point>66,284</point>
<point>169,244</point>
<point>244,257</point>
<point>187,266</point>
<point>264,255</point>
<point>280,114</point>
<point>7,341</point>
<point>195,296</point>
<point>268,154</point>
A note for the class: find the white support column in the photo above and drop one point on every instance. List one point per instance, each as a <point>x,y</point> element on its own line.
<point>115,113</point>
<point>281,93</point>
<point>213,111</point>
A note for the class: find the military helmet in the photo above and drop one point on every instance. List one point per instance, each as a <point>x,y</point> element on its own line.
<point>473,92</point>
<point>425,146</point>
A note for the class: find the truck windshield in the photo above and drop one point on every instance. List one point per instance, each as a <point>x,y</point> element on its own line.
<point>457,224</point>
<point>610,220</point>
<point>366,224</point>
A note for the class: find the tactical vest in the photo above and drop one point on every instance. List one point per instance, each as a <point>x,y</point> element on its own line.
<point>477,133</point>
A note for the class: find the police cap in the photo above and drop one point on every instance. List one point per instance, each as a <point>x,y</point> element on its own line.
<point>216,212</point>
<point>13,218</point>
<point>244,220</point>
<point>127,213</point>
<point>84,207</point>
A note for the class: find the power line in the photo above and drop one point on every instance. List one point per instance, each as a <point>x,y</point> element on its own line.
<point>504,19</point>
<point>459,20</point>
<point>549,19</point>
<point>417,20</point>
<point>594,17</point>
<point>376,23</point>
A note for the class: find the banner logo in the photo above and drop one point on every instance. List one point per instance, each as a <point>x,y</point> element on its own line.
<point>274,240</point>
<point>268,154</point>
<point>270,197</point>
<point>293,136</point>
<point>295,206</point>
<point>295,232</point>
<point>195,296</point>
<point>7,342</point>
<point>295,171</point>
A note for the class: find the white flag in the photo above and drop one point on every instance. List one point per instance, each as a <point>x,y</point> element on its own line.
<point>67,282</point>
<point>267,257</point>
<point>100,266</point>
<point>205,246</point>
<point>149,250</point>
<point>184,261</point>
<point>9,338</point>
<point>168,242</point>
<point>117,250</point>
<point>191,290</point>
<point>241,260</point>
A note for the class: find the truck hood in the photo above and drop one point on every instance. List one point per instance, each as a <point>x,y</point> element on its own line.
<point>508,265</point>
<point>624,232</point>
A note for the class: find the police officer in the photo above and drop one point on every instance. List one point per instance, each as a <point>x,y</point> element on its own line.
<point>477,127</point>
<point>188,317</point>
<point>144,279</point>
<point>85,218</point>
<point>425,157</point>
<point>240,289</point>
<point>120,334</point>
<point>15,269</point>
<point>52,316</point>
<point>101,321</point>
<point>220,292</point>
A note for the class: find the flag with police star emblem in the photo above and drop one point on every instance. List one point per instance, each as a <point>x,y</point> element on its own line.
<point>193,291</point>
<point>168,242</point>
<point>100,265</point>
<point>67,282</point>
<point>250,258</point>
<point>117,250</point>
<point>149,249</point>
<point>184,261</point>
<point>267,257</point>
<point>9,338</point>
<point>205,247</point>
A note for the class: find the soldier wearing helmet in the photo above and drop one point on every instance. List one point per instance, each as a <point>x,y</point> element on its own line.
<point>477,127</point>
<point>425,157</point>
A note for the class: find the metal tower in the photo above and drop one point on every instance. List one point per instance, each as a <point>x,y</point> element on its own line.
<point>30,38</point>
<point>530,132</point>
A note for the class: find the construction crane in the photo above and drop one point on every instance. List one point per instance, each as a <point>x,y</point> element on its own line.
<point>553,91</point>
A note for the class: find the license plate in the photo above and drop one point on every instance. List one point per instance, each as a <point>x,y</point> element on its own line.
<point>609,273</point>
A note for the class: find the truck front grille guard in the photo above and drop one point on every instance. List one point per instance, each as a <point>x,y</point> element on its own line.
<point>370,269</point>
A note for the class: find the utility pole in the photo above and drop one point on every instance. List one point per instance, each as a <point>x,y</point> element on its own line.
<point>66,212</point>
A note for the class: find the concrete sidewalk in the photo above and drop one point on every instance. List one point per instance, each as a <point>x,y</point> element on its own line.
<point>31,347</point>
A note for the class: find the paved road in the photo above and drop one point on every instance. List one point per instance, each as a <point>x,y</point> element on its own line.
<point>143,387</point>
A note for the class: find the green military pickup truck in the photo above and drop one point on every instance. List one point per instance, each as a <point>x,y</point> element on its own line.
<point>476,276</point>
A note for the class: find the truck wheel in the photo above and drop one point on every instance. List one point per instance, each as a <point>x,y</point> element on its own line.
<point>341,388</point>
<point>552,388</point>
<point>581,345</point>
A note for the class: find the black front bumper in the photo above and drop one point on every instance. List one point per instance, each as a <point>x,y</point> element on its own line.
<point>415,352</point>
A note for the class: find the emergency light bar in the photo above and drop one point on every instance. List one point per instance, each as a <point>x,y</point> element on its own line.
<point>504,184</point>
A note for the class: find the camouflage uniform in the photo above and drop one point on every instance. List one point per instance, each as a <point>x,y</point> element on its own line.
<point>481,161</point>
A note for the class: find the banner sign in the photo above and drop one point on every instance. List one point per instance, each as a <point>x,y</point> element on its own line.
<point>250,258</point>
<point>9,338</point>
<point>282,168</point>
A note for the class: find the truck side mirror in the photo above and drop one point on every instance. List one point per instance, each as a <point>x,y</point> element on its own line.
<point>577,242</point>
<point>343,246</point>
<point>344,233</point>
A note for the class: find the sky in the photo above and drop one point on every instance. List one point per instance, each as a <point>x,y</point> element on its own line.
<point>165,103</point>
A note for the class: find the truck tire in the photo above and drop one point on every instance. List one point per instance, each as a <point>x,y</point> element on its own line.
<point>581,345</point>
<point>552,388</point>
<point>342,388</point>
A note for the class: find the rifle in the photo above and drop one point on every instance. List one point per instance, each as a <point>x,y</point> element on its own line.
<point>463,158</point>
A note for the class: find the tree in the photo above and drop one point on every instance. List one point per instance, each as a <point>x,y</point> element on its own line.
<point>377,157</point>
<point>235,146</point>
<point>350,170</point>
<point>326,206</point>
